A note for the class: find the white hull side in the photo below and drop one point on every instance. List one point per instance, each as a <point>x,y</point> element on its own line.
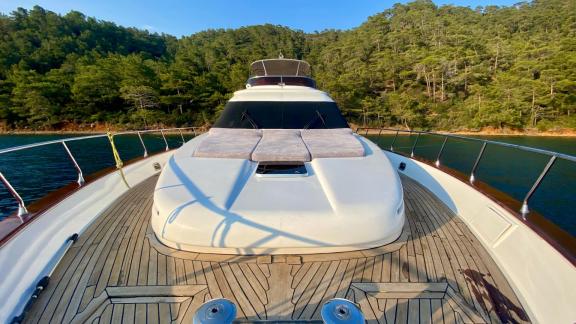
<point>542,278</point>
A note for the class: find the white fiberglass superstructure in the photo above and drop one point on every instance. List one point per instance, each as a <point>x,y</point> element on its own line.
<point>280,172</point>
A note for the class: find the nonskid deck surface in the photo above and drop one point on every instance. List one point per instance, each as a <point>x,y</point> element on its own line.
<point>437,271</point>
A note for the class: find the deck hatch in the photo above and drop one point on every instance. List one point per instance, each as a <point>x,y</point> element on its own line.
<point>281,169</point>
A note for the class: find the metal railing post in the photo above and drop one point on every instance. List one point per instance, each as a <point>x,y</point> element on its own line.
<point>366,132</point>
<point>524,210</point>
<point>440,152</point>
<point>194,131</point>
<point>182,136</point>
<point>143,145</point>
<point>394,140</point>
<point>379,139</point>
<point>21,206</point>
<point>80,176</point>
<point>165,142</point>
<point>472,178</point>
<point>414,145</point>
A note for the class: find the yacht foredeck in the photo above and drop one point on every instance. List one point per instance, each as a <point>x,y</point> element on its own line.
<point>437,271</point>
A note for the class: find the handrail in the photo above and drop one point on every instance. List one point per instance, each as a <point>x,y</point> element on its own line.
<point>29,146</point>
<point>80,138</point>
<point>520,147</point>
<point>524,210</point>
<point>22,211</point>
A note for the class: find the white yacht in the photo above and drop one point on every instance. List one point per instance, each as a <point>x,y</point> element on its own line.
<point>281,213</point>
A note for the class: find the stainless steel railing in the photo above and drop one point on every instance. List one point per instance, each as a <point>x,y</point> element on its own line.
<point>21,206</point>
<point>524,210</point>
<point>22,210</point>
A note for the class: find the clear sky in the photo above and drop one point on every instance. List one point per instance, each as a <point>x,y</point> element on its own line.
<point>184,17</point>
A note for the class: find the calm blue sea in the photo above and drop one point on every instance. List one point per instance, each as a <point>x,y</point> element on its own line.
<point>38,171</point>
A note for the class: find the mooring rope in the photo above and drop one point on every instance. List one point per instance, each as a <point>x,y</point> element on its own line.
<point>119,163</point>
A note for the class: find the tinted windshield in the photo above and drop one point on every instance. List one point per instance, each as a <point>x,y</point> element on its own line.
<point>281,114</point>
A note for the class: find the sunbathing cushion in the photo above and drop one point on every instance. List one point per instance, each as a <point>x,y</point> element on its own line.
<point>281,145</point>
<point>231,143</point>
<point>332,143</point>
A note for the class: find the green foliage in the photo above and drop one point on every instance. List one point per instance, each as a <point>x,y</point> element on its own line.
<point>417,65</point>
<point>453,67</point>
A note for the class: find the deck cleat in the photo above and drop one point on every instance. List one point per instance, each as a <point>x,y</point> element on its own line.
<point>216,311</point>
<point>341,311</point>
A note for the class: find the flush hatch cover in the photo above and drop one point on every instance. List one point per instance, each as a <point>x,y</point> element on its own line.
<point>281,169</point>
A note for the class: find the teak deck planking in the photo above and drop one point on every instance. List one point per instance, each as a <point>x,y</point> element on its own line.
<point>437,271</point>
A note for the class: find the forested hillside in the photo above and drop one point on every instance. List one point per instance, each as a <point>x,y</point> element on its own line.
<point>416,65</point>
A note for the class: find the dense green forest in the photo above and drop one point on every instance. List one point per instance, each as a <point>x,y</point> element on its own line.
<point>416,65</point>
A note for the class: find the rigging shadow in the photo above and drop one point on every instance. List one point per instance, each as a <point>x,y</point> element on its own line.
<point>230,218</point>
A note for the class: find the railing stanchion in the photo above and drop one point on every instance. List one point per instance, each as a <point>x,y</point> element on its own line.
<point>21,206</point>
<point>76,165</point>
<point>440,152</point>
<point>194,131</point>
<point>165,141</point>
<point>143,145</point>
<point>182,136</point>
<point>379,139</point>
<point>472,178</point>
<point>414,145</point>
<point>394,140</point>
<point>524,210</point>
<point>366,132</point>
